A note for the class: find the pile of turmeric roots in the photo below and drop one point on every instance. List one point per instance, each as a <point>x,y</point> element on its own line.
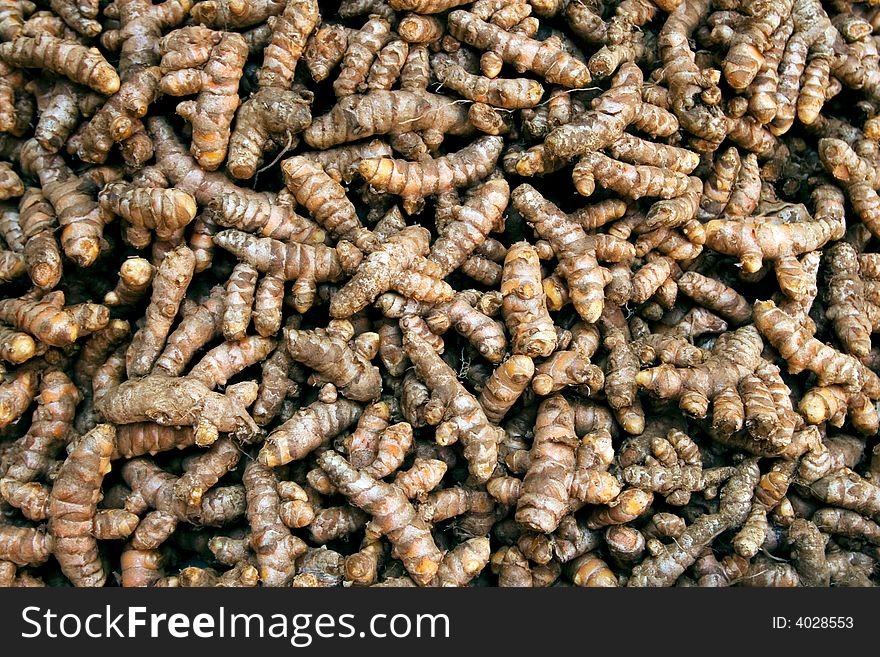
<point>439,293</point>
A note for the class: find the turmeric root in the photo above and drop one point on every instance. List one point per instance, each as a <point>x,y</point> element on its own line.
<point>456,413</point>
<point>545,59</point>
<point>383,112</point>
<point>140,438</point>
<point>81,219</point>
<point>44,317</point>
<point>296,508</point>
<point>276,548</point>
<point>480,214</point>
<point>10,226</point>
<point>229,358</point>
<point>567,367</point>
<point>41,252</point>
<point>675,469</point>
<point>416,180</point>
<point>718,186</point>
<point>394,443</point>
<point>198,60</point>
<point>424,6</point>
<point>362,444</point>
<point>419,29</point>
<point>464,562</point>
<point>632,181</point>
<point>393,515</point>
<point>398,263</point>
<point>135,277</point>
<point>605,123</point>
<point>544,500</point>
<point>275,112</point>
<point>119,119</point>
<point>16,347</point>
<point>13,18</point>
<point>327,352</point>
<point>336,522</point>
<point>573,248</point>
<point>307,430</point>
<point>10,184</point>
<point>50,428</point>
<point>302,263</point>
<point>200,324</point>
<point>752,243</point>
<point>237,207</point>
<point>67,58</point>
<point>485,334</point>
<point>389,62</point>
<point>226,13</point>
<point>80,17</point>
<point>715,296</point>
<point>847,523</point>
<point>153,488</point>
<point>745,56</point>
<point>325,49</point>
<point>239,301</point>
<point>275,386</point>
<point>162,210</point>
<point>72,506</point>
<point>846,301</point>
<point>340,163</point>
<point>650,278</point>
<point>362,48</point>
<point>452,502</point>
<point>857,175</point>
<point>513,93</point>
<point>272,116</point>
<point>848,490</point>
<point>511,567</point>
<point>635,150</point>
<point>509,380</point>
<point>809,553</point>
<point>169,287</point>
<point>626,507</point>
<point>24,546</point>
<point>421,478</point>
<point>672,560</point>
<point>833,403</point>
<point>524,305</point>
<point>620,387</point>
<point>718,377</point>
<point>172,401</point>
<point>592,483</point>
<point>691,90</point>
<point>802,351</point>
<point>12,265</point>
<point>326,200</point>
<point>591,329</point>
